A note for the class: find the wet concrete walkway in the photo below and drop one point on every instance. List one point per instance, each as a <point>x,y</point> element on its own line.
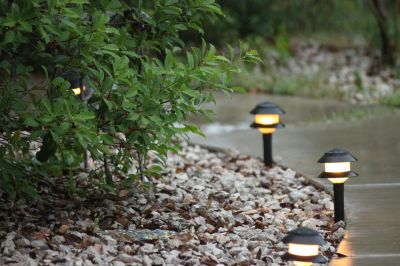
<point>373,235</point>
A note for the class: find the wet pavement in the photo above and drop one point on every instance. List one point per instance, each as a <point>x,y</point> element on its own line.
<point>313,127</point>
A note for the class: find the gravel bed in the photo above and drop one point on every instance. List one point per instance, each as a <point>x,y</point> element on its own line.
<point>208,209</point>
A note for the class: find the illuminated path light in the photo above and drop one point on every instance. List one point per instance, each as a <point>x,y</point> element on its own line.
<point>79,85</point>
<point>303,247</point>
<point>267,120</point>
<point>337,169</point>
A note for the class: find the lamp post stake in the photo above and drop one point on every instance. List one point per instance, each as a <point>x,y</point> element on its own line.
<point>338,198</point>
<point>267,140</point>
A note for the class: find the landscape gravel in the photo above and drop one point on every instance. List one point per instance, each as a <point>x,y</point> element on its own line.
<point>209,208</point>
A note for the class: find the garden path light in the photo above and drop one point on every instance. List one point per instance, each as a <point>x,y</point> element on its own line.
<point>303,247</point>
<point>267,120</point>
<point>337,169</point>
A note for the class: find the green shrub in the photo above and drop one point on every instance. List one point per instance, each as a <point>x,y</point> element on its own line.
<point>265,18</point>
<point>146,82</point>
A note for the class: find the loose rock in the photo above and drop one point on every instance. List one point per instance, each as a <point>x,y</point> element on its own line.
<point>228,210</point>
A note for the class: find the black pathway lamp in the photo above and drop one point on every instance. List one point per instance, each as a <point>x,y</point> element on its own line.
<point>303,247</point>
<point>79,84</point>
<point>338,170</point>
<point>267,120</point>
<point>79,87</point>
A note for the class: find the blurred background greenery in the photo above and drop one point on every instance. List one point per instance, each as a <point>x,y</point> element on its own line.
<point>275,19</point>
<point>283,33</point>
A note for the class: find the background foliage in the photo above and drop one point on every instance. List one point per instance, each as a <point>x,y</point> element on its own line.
<point>145,78</point>
<point>326,21</point>
<point>281,31</point>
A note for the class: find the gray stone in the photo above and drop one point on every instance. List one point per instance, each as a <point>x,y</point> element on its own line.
<point>64,249</point>
<point>127,258</point>
<point>156,259</point>
<point>339,234</point>
<point>147,261</point>
<point>58,239</point>
<point>212,249</point>
<point>296,195</point>
<point>38,244</point>
<point>110,240</point>
<point>22,242</point>
<point>312,223</point>
<point>340,224</point>
<point>8,247</point>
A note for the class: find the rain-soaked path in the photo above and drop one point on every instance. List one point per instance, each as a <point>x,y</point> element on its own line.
<point>313,127</point>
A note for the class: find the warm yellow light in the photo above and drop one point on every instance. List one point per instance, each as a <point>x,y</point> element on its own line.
<point>266,130</point>
<point>302,263</point>
<point>338,180</point>
<point>267,119</point>
<point>337,167</point>
<point>303,250</point>
<point>76,91</point>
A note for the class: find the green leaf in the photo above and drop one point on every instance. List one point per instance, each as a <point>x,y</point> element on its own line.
<point>190,60</point>
<point>131,92</point>
<point>107,138</point>
<point>222,58</point>
<point>36,134</point>
<point>109,104</point>
<point>26,26</point>
<point>9,22</point>
<point>172,10</point>
<point>9,37</point>
<point>84,116</point>
<point>132,117</point>
<point>103,148</point>
<point>30,121</point>
<point>45,104</point>
<point>79,2</point>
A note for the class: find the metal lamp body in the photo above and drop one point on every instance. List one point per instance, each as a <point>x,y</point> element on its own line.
<point>78,85</point>
<point>267,120</point>
<point>337,168</point>
<point>303,246</point>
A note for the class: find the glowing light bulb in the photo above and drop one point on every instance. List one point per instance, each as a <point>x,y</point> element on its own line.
<point>267,119</point>
<point>76,91</point>
<point>337,167</point>
<point>302,263</point>
<point>303,250</point>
